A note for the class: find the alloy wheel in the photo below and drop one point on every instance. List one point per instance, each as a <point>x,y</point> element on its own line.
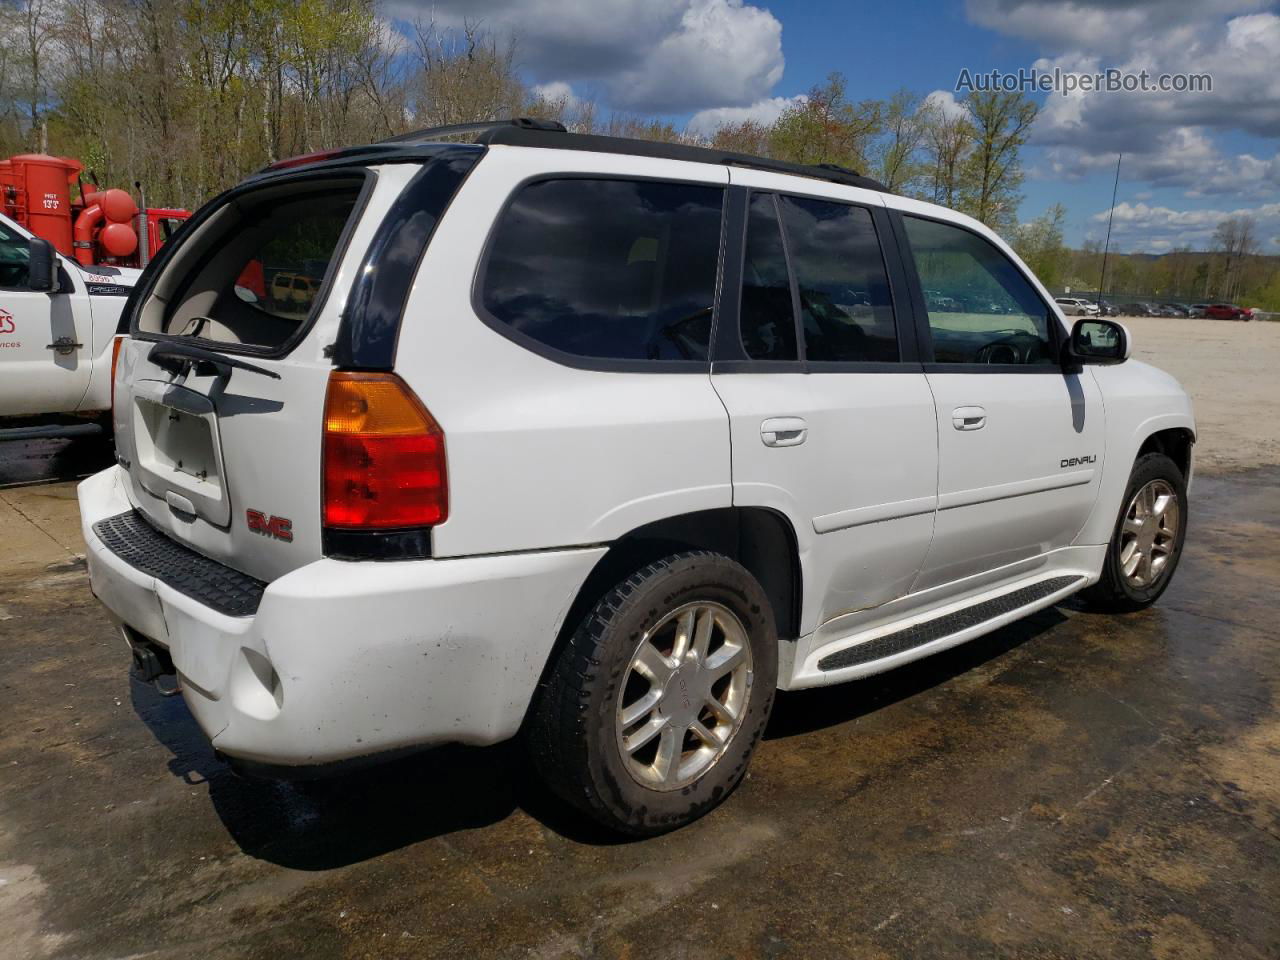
<point>684,695</point>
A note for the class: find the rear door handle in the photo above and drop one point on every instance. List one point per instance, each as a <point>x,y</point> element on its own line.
<point>783,431</point>
<point>968,418</point>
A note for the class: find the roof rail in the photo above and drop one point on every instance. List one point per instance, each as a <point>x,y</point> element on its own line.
<point>551,134</point>
<point>524,134</point>
<point>466,129</point>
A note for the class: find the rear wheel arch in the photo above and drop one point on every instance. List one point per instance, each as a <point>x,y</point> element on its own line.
<point>760,539</point>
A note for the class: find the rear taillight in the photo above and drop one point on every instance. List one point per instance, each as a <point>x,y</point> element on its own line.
<point>384,462</point>
<point>116,343</point>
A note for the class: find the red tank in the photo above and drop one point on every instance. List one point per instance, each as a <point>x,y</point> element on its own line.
<point>103,227</point>
<point>38,188</point>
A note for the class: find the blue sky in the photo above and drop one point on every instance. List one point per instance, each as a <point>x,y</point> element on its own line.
<point>1190,158</point>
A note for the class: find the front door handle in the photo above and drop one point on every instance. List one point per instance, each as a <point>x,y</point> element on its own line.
<point>783,431</point>
<point>968,418</point>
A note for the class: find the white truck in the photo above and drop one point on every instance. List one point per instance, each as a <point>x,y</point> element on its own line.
<point>57,331</point>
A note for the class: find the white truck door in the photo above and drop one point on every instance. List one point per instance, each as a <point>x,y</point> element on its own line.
<point>1020,440</point>
<point>831,418</point>
<point>45,345</point>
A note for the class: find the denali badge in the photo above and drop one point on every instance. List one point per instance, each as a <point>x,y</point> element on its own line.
<point>1078,461</point>
<point>279,527</point>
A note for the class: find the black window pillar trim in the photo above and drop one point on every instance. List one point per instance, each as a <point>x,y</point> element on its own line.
<point>906,320</point>
<point>725,342</point>
<point>797,311</point>
<point>370,326</point>
<point>919,311</point>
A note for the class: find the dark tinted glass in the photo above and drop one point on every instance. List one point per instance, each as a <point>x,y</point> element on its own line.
<point>981,308</point>
<point>14,259</point>
<point>615,269</point>
<point>767,320</point>
<point>845,306</point>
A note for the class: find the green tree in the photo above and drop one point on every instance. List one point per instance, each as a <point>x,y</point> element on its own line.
<point>992,171</point>
<point>947,138</point>
<point>1039,244</point>
<point>896,155</point>
<point>826,127</point>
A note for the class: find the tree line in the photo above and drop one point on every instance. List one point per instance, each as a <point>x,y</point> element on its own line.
<point>1232,270</point>
<point>189,96</point>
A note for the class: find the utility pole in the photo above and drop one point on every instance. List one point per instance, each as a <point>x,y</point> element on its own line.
<point>1111,215</point>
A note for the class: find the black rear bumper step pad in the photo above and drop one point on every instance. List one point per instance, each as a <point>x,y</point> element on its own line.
<point>944,626</point>
<point>145,548</point>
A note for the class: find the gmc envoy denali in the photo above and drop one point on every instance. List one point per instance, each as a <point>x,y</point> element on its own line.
<point>600,443</point>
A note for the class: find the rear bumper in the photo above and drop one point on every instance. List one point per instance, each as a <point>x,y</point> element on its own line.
<point>340,659</point>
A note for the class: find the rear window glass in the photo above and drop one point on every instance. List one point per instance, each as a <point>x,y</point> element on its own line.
<point>261,275</point>
<point>611,269</point>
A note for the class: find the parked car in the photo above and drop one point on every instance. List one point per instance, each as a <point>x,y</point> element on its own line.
<point>1108,309</point>
<point>293,292</point>
<point>488,489</point>
<point>1136,309</point>
<point>1227,311</point>
<point>1077,307</point>
<point>1197,310</point>
<point>1177,309</point>
<point>58,322</point>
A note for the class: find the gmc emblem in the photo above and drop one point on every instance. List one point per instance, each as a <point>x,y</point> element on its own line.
<point>279,527</point>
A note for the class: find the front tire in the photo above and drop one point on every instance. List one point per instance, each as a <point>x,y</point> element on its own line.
<point>652,710</point>
<point>1147,543</point>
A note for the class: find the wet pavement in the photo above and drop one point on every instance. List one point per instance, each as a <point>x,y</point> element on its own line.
<point>1074,785</point>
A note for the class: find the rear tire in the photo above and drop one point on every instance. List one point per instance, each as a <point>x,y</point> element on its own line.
<point>1147,542</point>
<point>652,710</point>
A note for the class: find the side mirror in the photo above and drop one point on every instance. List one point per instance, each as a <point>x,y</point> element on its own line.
<point>42,266</point>
<point>1094,340</point>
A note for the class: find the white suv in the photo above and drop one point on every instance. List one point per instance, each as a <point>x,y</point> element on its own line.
<point>601,442</point>
<point>1076,307</point>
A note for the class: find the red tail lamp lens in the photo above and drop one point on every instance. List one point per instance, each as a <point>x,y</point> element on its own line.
<point>384,459</point>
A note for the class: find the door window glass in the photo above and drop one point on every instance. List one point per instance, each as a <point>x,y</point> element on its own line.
<point>767,321</point>
<point>14,260</point>
<point>615,269</point>
<point>845,307</point>
<point>981,307</point>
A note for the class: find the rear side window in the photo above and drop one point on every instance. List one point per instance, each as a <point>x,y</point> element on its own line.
<point>609,269</point>
<point>981,308</point>
<point>845,306</point>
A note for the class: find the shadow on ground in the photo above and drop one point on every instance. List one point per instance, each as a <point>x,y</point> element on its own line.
<point>353,817</point>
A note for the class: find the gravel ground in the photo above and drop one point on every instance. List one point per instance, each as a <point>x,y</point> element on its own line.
<point>1073,785</point>
<point>1232,371</point>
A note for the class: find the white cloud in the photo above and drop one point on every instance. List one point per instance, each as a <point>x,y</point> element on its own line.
<point>1183,157</point>
<point>557,90</point>
<point>706,122</point>
<point>1163,227</point>
<point>1169,140</point>
<point>664,56</point>
<point>946,103</point>
<point>1239,54</point>
<point>1103,26</point>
